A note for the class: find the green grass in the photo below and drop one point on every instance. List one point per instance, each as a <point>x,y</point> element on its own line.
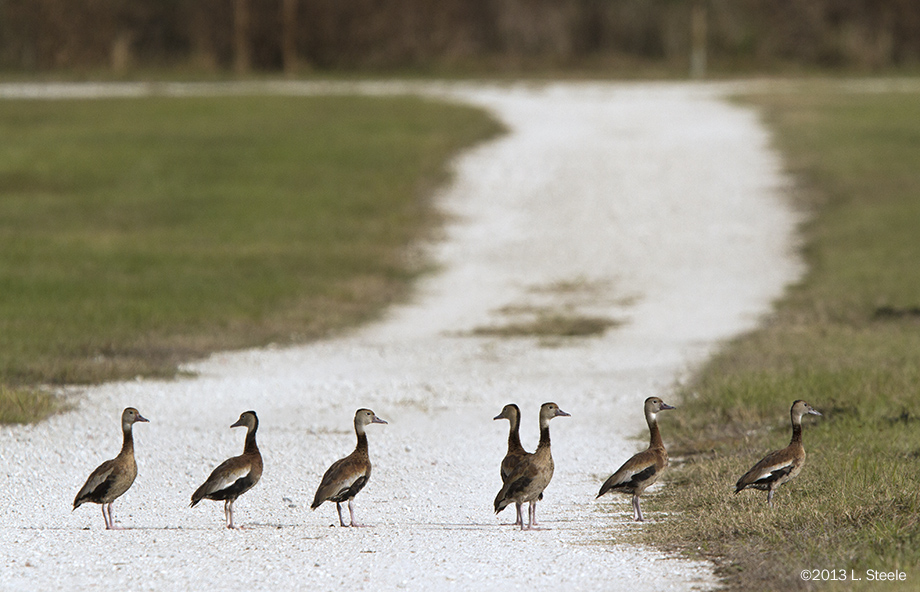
<point>856,504</point>
<point>139,233</point>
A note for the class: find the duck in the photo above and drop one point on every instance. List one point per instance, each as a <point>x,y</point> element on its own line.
<point>516,451</point>
<point>235,476</point>
<point>532,473</point>
<point>347,476</point>
<point>114,477</point>
<point>780,466</point>
<point>644,468</point>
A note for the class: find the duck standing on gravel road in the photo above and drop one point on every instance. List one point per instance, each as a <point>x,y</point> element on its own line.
<point>516,452</point>
<point>533,473</point>
<point>347,476</point>
<point>113,477</point>
<point>235,476</point>
<point>644,468</point>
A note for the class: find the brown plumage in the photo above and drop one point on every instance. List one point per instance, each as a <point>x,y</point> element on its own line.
<point>235,476</point>
<point>516,451</point>
<point>644,468</point>
<point>532,473</point>
<point>347,476</point>
<point>113,477</point>
<point>779,466</point>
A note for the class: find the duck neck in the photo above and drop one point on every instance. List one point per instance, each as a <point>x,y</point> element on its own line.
<point>514,435</point>
<point>127,445</point>
<point>796,430</point>
<point>251,447</point>
<point>544,435</point>
<point>362,438</point>
<point>655,440</point>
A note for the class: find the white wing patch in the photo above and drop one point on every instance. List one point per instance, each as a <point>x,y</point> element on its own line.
<point>346,483</point>
<point>767,472</point>
<point>229,478</point>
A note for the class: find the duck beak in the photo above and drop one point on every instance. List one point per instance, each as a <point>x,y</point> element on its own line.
<point>238,423</point>
<point>561,413</point>
<point>666,406</point>
<point>377,420</point>
<point>813,412</point>
<point>142,419</point>
<point>499,416</point>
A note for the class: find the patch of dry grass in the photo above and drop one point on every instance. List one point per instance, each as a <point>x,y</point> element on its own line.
<point>557,311</point>
<point>27,405</point>
<point>549,324</point>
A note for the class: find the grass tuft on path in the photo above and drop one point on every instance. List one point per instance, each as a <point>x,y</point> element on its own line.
<point>833,342</point>
<point>139,233</point>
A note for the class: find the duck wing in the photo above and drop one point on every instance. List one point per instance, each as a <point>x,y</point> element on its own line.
<point>518,483</point>
<point>343,480</point>
<point>638,471</point>
<point>97,485</point>
<point>231,478</point>
<point>771,468</point>
<point>511,462</point>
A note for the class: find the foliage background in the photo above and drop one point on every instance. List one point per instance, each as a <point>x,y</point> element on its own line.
<point>271,35</point>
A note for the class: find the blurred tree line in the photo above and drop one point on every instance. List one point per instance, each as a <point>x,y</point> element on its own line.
<point>291,35</point>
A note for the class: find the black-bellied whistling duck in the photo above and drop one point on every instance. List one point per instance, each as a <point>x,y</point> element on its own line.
<point>779,466</point>
<point>347,476</point>
<point>644,468</point>
<point>235,476</point>
<point>533,473</point>
<point>113,477</point>
<point>516,451</point>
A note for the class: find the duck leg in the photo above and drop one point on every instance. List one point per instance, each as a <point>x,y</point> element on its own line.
<point>520,518</point>
<point>229,505</point>
<point>112,524</point>
<point>105,517</point>
<point>351,512</point>
<point>770,497</point>
<point>338,507</point>
<point>637,510</point>
<point>532,514</point>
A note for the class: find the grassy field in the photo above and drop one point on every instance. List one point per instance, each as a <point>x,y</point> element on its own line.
<point>135,234</point>
<point>847,340</point>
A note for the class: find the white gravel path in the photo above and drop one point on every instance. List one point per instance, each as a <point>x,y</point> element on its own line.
<point>655,204</point>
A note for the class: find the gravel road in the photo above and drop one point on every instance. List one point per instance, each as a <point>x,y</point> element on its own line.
<point>656,206</point>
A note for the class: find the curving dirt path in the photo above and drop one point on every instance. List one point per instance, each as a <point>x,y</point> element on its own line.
<point>656,206</point>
